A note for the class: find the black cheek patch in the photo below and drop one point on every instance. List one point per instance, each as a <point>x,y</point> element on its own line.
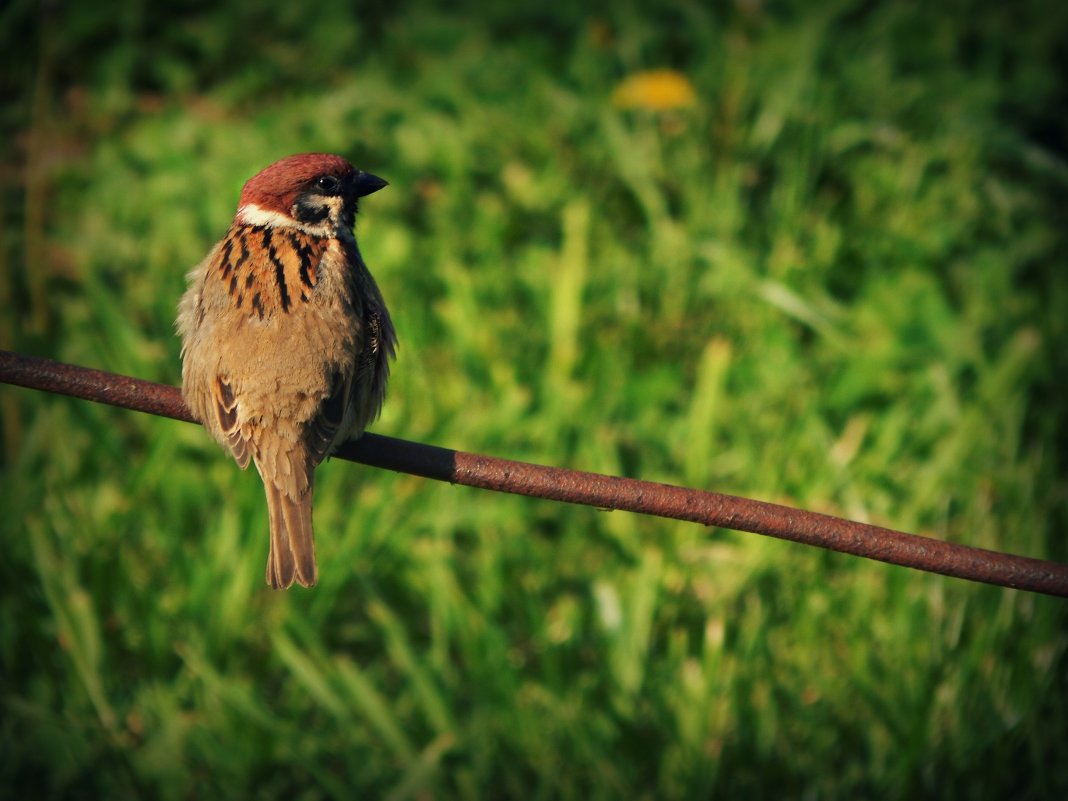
<point>306,210</point>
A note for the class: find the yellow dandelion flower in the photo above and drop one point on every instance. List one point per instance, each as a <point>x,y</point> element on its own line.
<point>654,90</point>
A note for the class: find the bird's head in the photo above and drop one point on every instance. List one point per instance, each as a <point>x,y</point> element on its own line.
<point>315,192</point>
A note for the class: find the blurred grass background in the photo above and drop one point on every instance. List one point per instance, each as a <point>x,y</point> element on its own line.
<point>834,277</point>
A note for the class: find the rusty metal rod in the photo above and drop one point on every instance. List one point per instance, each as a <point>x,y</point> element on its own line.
<point>592,489</point>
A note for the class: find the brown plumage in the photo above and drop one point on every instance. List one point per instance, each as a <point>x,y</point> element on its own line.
<point>286,340</point>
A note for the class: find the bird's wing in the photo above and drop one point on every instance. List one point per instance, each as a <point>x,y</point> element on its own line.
<point>379,345</point>
<point>225,408</point>
<point>321,431</point>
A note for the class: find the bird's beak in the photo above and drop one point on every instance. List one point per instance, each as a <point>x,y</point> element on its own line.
<point>366,183</point>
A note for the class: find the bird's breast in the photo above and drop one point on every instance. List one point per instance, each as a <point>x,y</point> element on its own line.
<point>269,272</point>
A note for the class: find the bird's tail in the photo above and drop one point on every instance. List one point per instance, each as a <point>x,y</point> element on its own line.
<point>292,554</point>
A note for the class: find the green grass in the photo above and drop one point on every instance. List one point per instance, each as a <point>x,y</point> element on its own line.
<point>837,281</point>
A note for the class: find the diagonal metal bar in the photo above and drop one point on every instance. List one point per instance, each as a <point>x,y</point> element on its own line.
<point>592,489</point>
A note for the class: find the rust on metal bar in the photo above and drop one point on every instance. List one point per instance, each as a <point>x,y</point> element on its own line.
<point>593,489</point>
<point>94,385</point>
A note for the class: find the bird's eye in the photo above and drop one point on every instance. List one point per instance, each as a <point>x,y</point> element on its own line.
<point>328,184</point>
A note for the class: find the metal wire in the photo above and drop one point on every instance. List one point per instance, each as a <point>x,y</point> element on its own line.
<point>592,489</point>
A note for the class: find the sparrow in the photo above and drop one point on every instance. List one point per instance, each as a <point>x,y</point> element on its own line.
<point>286,340</point>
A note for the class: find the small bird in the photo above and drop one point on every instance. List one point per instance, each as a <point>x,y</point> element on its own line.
<point>286,339</point>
